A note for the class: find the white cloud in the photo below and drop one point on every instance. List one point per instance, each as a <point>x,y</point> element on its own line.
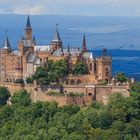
<point>66,6</point>
<point>33,10</point>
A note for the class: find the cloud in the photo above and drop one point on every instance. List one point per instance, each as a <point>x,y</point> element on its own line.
<point>85,7</point>
<point>33,10</point>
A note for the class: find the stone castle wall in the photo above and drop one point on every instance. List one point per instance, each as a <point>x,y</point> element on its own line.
<point>98,93</point>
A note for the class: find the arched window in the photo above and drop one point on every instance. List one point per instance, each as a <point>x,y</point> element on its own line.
<point>72,82</point>
<point>78,82</point>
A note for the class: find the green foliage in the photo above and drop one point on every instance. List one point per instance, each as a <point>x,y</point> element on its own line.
<point>103,82</point>
<point>29,80</point>
<point>4,95</point>
<point>19,81</point>
<point>80,68</point>
<point>72,94</point>
<point>121,77</point>
<point>119,120</point>
<point>136,87</point>
<point>21,98</point>
<point>51,72</point>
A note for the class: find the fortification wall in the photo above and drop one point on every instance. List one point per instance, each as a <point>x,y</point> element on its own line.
<point>64,100</point>
<point>99,93</point>
<point>103,92</point>
<point>13,87</point>
<point>74,88</point>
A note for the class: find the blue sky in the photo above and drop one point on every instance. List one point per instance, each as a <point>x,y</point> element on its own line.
<point>72,7</point>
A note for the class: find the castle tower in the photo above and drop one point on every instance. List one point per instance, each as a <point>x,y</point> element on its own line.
<point>104,66</point>
<point>28,29</point>
<point>6,44</point>
<point>84,47</point>
<point>56,43</point>
<point>4,52</point>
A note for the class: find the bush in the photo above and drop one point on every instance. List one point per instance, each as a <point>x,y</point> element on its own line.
<point>72,94</point>
<point>21,97</point>
<point>29,80</point>
<point>4,95</point>
<point>20,81</point>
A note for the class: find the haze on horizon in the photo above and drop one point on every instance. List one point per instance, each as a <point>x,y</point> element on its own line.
<point>72,7</point>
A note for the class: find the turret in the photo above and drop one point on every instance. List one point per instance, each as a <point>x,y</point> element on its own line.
<point>56,43</point>
<point>28,29</point>
<point>6,44</point>
<point>104,66</point>
<point>84,47</point>
<point>68,50</point>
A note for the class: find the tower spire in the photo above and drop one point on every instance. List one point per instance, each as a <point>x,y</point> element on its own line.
<point>68,49</point>
<point>56,37</point>
<point>28,23</point>
<point>56,43</point>
<point>28,29</point>
<point>84,47</point>
<point>6,43</point>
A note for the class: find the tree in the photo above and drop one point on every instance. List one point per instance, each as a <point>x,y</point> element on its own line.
<point>136,87</point>
<point>50,72</point>
<point>4,95</point>
<point>57,70</point>
<point>21,97</point>
<point>80,68</point>
<point>117,106</point>
<point>121,77</point>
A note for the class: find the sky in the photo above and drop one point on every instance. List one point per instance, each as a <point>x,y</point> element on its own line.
<point>72,7</point>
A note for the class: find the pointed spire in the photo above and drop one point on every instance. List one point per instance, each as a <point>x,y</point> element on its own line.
<point>28,23</point>
<point>68,50</point>
<point>56,37</point>
<point>62,50</point>
<point>84,47</point>
<point>6,43</point>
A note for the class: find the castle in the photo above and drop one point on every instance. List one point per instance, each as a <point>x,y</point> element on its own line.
<point>22,63</point>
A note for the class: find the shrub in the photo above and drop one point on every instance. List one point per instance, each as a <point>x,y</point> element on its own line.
<point>4,95</point>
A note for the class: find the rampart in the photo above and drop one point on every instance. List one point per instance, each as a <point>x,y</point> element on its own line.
<point>91,92</point>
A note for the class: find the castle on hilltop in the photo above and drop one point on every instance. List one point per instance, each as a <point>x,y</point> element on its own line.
<point>22,63</point>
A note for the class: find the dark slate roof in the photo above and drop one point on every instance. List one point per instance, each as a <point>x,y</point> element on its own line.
<point>28,24</point>
<point>27,43</point>
<point>56,37</point>
<point>73,52</point>
<point>32,58</point>
<point>6,44</point>
<point>84,43</point>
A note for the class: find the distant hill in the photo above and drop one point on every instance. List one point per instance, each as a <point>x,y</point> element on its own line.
<point>109,32</point>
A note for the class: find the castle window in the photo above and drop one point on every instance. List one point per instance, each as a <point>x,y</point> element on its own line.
<point>90,66</point>
<point>90,94</point>
<point>106,69</point>
<point>72,82</point>
<point>78,82</point>
<point>107,73</point>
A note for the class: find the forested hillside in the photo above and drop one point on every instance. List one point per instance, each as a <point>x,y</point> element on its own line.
<point>23,120</point>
